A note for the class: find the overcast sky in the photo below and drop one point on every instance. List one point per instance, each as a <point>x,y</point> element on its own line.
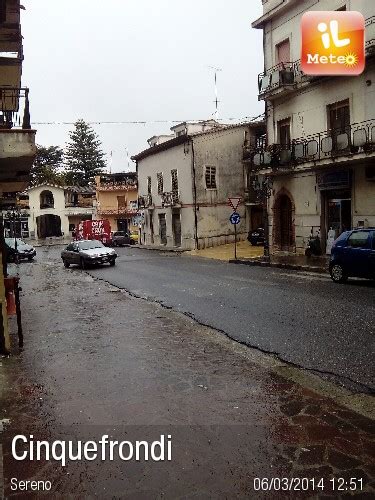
<point>138,60</point>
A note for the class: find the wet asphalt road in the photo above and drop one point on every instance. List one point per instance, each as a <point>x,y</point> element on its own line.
<point>303,318</point>
<point>98,361</point>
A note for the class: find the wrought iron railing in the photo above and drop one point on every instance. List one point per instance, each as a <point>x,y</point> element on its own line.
<point>170,199</point>
<point>145,201</point>
<point>118,186</point>
<point>349,141</point>
<point>289,74</point>
<point>14,108</point>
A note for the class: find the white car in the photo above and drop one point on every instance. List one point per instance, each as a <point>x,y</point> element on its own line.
<point>88,252</point>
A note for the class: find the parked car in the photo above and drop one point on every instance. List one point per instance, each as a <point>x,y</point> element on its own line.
<point>23,251</point>
<point>256,237</point>
<point>120,238</point>
<point>86,253</point>
<point>353,255</point>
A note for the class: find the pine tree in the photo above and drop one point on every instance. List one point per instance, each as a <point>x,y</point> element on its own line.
<point>47,166</point>
<point>84,158</point>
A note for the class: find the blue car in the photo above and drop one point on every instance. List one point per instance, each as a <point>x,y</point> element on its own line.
<point>353,255</point>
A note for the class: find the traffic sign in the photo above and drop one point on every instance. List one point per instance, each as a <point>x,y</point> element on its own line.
<point>234,203</point>
<point>235,218</point>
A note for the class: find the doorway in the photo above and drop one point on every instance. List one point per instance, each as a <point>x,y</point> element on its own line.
<point>162,229</point>
<point>339,212</point>
<point>176,228</point>
<point>286,222</point>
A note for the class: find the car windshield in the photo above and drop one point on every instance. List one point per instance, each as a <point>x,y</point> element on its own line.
<point>10,242</point>
<point>88,245</point>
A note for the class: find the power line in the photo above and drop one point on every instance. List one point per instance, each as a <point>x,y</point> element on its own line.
<point>145,122</point>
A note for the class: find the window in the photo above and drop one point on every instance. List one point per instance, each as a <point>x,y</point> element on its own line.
<point>339,116</point>
<point>283,52</point>
<point>283,132</point>
<point>121,201</point>
<point>3,11</point>
<point>47,200</point>
<point>174,180</point>
<point>149,185</point>
<point>373,240</point>
<point>359,240</point>
<point>211,178</point>
<point>159,177</point>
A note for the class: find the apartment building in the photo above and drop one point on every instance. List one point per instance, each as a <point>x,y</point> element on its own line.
<point>117,200</point>
<point>17,139</point>
<point>185,180</point>
<point>320,143</point>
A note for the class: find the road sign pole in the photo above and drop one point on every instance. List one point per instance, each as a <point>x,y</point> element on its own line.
<point>235,242</point>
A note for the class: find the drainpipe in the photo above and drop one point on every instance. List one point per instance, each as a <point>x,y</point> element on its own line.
<point>194,195</point>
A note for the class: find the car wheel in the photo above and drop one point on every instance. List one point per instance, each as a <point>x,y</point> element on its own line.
<point>112,263</point>
<point>30,258</point>
<point>132,242</point>
<point>338,274</point>
<point>66,263</point>
<point>254,243</point>
<point>83,264</point>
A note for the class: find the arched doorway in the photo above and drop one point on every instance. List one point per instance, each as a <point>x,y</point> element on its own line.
<point>48,226</point>
<point>286,222</point>
<point>284,231</point>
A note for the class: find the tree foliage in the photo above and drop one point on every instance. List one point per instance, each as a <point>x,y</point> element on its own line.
<point>47,165</point>
<point>84,158</point>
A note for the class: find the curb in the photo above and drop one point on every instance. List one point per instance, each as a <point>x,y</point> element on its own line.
<point>161,249</point>
<point>279,265</point>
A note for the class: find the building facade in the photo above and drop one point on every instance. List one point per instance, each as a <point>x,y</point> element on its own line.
<point>17,139</point>
<point>55,211</point>
<point>185,181</point>
<point>117,200</point>
<point>320,143</point>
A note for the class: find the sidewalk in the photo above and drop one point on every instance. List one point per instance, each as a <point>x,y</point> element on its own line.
<point>226,252</point>
<point>98,361</point>
<point>253,256</point>
<point>292,262</point>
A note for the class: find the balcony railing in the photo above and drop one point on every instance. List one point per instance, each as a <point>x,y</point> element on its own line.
<point>145,201</point>
<point>118,186</point>
<point>289,75</point>
<point>125,211</point>
<point>14,108</point>
<point>170,199</point>
<point>358,138</point>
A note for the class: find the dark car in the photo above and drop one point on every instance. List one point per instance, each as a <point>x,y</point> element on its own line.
<point>88,253</point>
<point>353,255</point>
<point>120,239</point>
<point>256,237</point>
<point>18,249</point>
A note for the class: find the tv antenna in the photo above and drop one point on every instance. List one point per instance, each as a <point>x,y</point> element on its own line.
<point>216,71</point>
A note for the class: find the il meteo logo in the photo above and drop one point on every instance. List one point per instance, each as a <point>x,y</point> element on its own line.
<point>333,43</point>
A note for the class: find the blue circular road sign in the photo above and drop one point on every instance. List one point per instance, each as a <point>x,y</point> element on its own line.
<point>235,218</point>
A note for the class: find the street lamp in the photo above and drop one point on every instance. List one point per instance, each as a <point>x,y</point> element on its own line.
<point>262,185</point>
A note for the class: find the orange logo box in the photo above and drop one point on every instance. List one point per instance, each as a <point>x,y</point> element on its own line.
<point>333,43</point>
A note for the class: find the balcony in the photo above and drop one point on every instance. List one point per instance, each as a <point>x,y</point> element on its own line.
<point>357,139</point>
<point>129,185</point>
<point>118,212</point>
<point>170,199</point>
<point>145,202</point>
<point>17,140</point>
<point>286,77</point>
